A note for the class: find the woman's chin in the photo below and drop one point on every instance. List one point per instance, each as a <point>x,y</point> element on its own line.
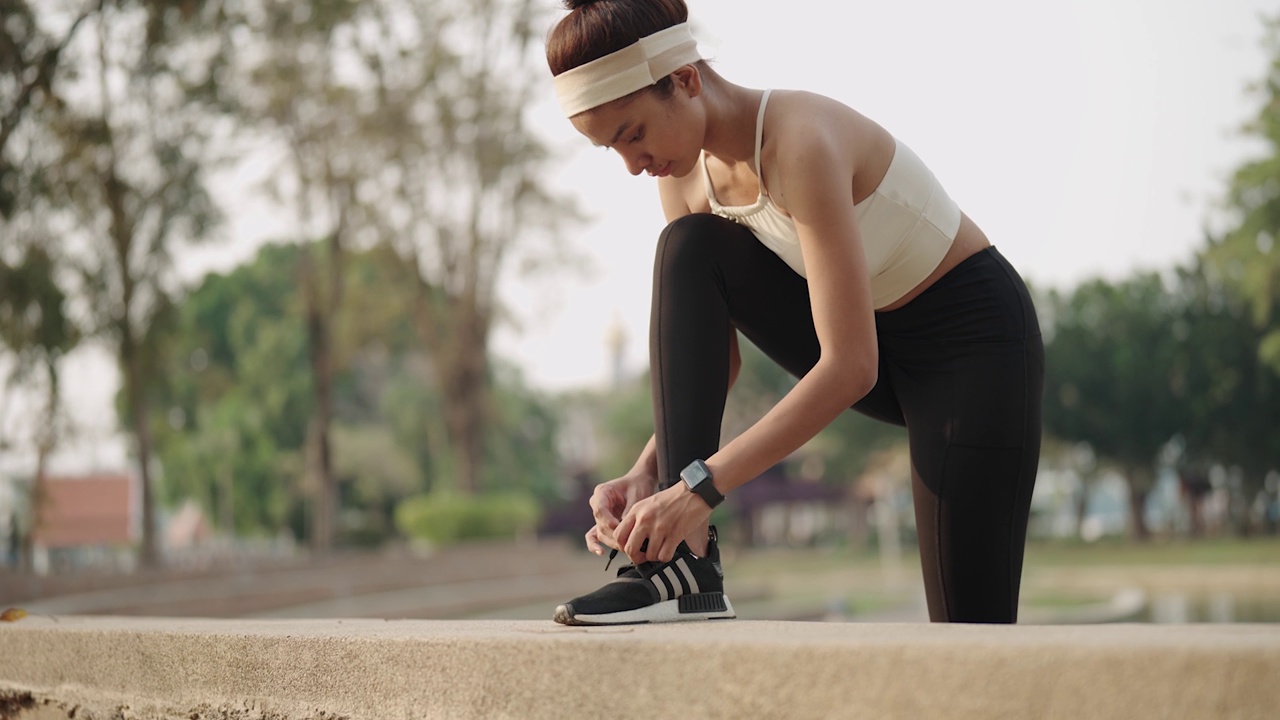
<point>680,171</point>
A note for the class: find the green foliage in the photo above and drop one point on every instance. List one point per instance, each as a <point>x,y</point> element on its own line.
<point>445,518</point>
<point>1231,399</point>
<point>1112,375</point>
<point>1247,257</point>
<point>628,425</point>
<point>33,307</point>
<point>520,447</point>
<point>235,398</point>
<point>1143,366</point>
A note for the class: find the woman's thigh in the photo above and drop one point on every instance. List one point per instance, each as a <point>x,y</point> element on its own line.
<point>970,388</point>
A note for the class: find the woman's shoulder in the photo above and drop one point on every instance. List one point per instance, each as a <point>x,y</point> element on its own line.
<point>801,124</point>
<point>800,116</point>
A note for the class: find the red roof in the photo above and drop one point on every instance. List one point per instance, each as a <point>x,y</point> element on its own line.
<point>87,510</point>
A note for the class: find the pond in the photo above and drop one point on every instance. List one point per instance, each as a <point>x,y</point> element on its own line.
<point>1178,608</point>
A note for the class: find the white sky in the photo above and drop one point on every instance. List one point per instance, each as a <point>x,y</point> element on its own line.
<point>1086,138</point>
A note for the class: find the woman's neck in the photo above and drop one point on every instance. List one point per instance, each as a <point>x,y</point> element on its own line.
<point>731,120</point>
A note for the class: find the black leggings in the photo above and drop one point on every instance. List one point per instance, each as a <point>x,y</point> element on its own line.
<point>961,366</point>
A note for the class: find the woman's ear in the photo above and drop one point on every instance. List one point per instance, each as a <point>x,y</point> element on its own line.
<point>688,79</point>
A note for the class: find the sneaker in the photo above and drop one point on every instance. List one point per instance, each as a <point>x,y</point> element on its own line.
<point>686,588</point>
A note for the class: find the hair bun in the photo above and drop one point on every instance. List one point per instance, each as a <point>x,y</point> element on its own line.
<point>575,4</point>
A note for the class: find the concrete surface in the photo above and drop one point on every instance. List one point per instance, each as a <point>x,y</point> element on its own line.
<point>140,668</point>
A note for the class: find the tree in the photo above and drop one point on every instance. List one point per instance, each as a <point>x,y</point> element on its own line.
<point>461,185</point>
<point>29,60</point>
<point>1111,379</point>
<point>1232,395</point>
<point>295,92</point>
<point>1239,280</point>
<point>1247,257</point>
<point>35,329</point>
<point>235,397</point>
<point>404,124</point>
<point>125,184</point>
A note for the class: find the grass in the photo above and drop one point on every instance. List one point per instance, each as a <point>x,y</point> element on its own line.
<point>1111,552</point>
<point>1041,553</point>
<point>1059,600</point>
<point>800,576</point>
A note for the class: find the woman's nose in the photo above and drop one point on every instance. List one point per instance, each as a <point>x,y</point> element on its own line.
<point>637,162</point>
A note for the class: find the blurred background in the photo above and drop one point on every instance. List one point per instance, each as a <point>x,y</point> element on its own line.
<point>319,308</point>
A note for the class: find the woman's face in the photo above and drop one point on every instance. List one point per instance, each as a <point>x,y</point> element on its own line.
<point>653,134</point>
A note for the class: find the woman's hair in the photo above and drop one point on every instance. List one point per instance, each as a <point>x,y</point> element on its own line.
<point>595,28</point>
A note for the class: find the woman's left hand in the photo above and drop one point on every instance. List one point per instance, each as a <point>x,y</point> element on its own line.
<point>665,520</point>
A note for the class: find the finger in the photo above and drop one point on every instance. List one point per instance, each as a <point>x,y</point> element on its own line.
<point>605,518</point>
<point>638,546</point>
<point>605,536</point>
<point>593,542</point>
<point>628,539</point>
<point>668,549</point>
<point>602,507</point>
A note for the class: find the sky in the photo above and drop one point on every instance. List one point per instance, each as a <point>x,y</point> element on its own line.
<point>1089,138</point>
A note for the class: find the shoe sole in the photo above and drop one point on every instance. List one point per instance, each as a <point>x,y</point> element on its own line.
<point>662,612</point>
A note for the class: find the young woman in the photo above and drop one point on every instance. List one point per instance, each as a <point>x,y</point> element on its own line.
<point>810,229</point>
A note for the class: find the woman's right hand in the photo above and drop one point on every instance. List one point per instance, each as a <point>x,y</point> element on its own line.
<point>610,502</point>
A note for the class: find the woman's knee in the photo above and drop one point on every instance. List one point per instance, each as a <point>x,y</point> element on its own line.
<point>694,239</point>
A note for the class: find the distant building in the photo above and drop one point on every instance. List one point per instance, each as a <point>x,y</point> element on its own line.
<point>778,508</point>
<point>87,520</point>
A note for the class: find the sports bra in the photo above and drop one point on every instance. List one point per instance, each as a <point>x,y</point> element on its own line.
<point>907,224</point>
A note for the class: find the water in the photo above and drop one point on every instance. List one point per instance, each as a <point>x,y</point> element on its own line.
<point>1181,608</point>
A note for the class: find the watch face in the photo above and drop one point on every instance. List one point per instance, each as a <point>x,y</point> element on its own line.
<point>695,474</point>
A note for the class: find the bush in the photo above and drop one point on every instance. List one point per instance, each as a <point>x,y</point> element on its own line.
<point>445,518</point>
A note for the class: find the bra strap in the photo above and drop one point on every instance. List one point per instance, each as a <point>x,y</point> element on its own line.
<point>764,101</point>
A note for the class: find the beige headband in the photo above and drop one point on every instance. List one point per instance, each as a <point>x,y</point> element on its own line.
<point>621,73</point>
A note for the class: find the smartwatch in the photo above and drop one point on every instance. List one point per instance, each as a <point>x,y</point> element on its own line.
<point>698,478</point>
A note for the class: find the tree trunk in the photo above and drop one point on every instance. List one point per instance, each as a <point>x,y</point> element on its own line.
<point>136,393</point>
<point>456,337</point>
<point>1139,487</point>
<point>44,448</point>
<point>466,398</point>
<point>1082,507</point>
<point>320,351</point>
<point>39,494</point>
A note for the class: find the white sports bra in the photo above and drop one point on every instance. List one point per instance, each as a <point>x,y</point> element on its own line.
<point>907,224</point>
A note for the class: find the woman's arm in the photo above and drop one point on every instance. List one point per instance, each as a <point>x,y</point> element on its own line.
<point>813,180</point>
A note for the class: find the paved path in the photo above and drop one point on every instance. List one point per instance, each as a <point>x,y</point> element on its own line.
<point>145,668</point>
<point>445,584</point>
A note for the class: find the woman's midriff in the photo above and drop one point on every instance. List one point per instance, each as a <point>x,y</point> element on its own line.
<point>969,240</point>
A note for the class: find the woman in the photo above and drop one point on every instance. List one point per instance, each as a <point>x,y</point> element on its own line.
<point>810,229</point>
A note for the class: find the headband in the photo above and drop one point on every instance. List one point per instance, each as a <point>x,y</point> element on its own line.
<point>621,73</point>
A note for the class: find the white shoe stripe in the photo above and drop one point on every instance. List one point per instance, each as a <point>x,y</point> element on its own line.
<point>684,570</point>
<point>662,588</point>
<point>676,586</point>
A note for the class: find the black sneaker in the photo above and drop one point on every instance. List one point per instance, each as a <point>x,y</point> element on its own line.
<point>686,588</point>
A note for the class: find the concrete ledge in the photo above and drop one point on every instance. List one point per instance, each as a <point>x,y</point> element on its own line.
<point>99,667</point>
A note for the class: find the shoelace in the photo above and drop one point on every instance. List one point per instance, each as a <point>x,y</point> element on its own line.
<point>613,553</point>
<point>644,570</point>
<point>712,537</point>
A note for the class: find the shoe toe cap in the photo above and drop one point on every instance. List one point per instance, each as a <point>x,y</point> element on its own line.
<point>563,614</point>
